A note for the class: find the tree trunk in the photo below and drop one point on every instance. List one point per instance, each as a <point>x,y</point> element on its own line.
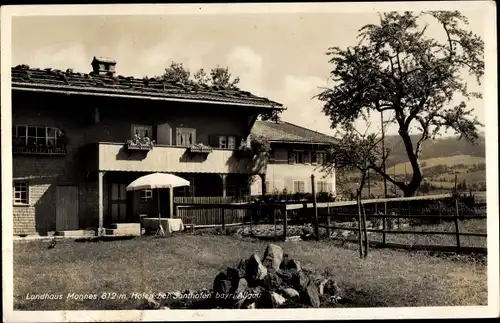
<point>416,179</point>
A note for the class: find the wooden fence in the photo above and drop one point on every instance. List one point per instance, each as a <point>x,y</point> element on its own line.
<point>390,211</point>
<point>210,199</point>
<point>390,214</point>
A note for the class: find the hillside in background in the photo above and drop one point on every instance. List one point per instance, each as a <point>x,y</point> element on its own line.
<point>441,147</point>
<point>442,160</point>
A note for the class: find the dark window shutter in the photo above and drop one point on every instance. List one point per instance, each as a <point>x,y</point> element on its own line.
<point>213,141</point>
<point>272,156</point>
<point>238,141</point>
<point>291,157</point>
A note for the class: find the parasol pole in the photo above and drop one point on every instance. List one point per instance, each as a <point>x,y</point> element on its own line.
<point>160,230</point>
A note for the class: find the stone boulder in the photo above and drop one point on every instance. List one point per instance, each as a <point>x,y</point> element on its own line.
<point>255,270</point>
<point>310,294</point>
<point>290,293</point>
<point>273,256</point>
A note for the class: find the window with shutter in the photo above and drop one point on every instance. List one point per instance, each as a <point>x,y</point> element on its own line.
<point>231,142</point>
<point>142,131</point>
<point>213,141</point>
<point>186,137</point>
<point>164,134</point>
<point>298,186</point>
<point>307,157</point>
<point>224,142</point>
<point>320,157</point>
<point>299,156</point>
<point>322,186</point>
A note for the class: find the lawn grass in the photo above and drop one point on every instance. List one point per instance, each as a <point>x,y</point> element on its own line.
<point>148,264</point>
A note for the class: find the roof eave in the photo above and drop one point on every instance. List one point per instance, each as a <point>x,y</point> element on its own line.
<point>69,90</point>
<point>301,142</point>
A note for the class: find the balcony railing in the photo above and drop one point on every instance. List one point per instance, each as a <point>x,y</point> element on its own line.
<point>45,150</point>
<point>118,157</point>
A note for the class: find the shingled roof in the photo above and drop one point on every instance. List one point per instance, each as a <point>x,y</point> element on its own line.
<point>287,132</point>
<point>53,80</point>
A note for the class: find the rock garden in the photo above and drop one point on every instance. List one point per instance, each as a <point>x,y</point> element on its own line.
<point>274,280</point>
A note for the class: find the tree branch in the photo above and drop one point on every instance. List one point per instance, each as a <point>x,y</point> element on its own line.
<point>379,170</point>
<point>425,134</point>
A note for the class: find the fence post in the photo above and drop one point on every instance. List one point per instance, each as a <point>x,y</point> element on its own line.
<point>360,234</point>
<point>328,221</point>
<point>399,213</point>
<point>315,207</point>
<point>384,223</point>
<point>457,230</point>
<point>223,216</point>
<point>285,222</point>
<point>274,220</point>
<point>252,210</point>
<point>365,232</point>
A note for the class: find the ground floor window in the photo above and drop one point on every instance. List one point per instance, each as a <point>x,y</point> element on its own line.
<point>186,190</point>
<point>298,186</point>
<point>267,187</point>
<point>322,187</point>
<point>146,195</point>
<point>231,190</point>
<point>21,192</point>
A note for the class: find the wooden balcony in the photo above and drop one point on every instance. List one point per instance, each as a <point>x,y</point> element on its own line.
<point>117,157</point>
<point>24,150</point>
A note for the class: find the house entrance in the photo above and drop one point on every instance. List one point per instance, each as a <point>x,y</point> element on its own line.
<point>118,202</point>
<point>67,205</point>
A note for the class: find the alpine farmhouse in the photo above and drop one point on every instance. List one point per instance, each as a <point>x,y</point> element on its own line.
<point>80,138</point>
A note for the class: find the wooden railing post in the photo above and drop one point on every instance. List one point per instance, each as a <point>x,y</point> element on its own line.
<point>457,229</point>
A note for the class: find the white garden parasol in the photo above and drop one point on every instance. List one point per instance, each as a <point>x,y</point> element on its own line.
<point>157,181</point>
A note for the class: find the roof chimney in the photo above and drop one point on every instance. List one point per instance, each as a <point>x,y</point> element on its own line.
<point>103,65</point>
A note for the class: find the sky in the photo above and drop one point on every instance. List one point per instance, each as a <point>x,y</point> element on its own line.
<point>278,56</point>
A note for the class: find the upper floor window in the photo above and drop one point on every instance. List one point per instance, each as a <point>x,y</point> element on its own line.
<point>300,157</point>
<point>21,192</point>
<point>142,131</point>
<point>35,136</point>
<point>228,142</point>
<point>318,157</point>
<point>186,136</point>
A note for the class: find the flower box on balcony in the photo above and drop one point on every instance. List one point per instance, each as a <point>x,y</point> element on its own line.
<point>23,150</point>
<point>200,149</point>
<point>141,144</point>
